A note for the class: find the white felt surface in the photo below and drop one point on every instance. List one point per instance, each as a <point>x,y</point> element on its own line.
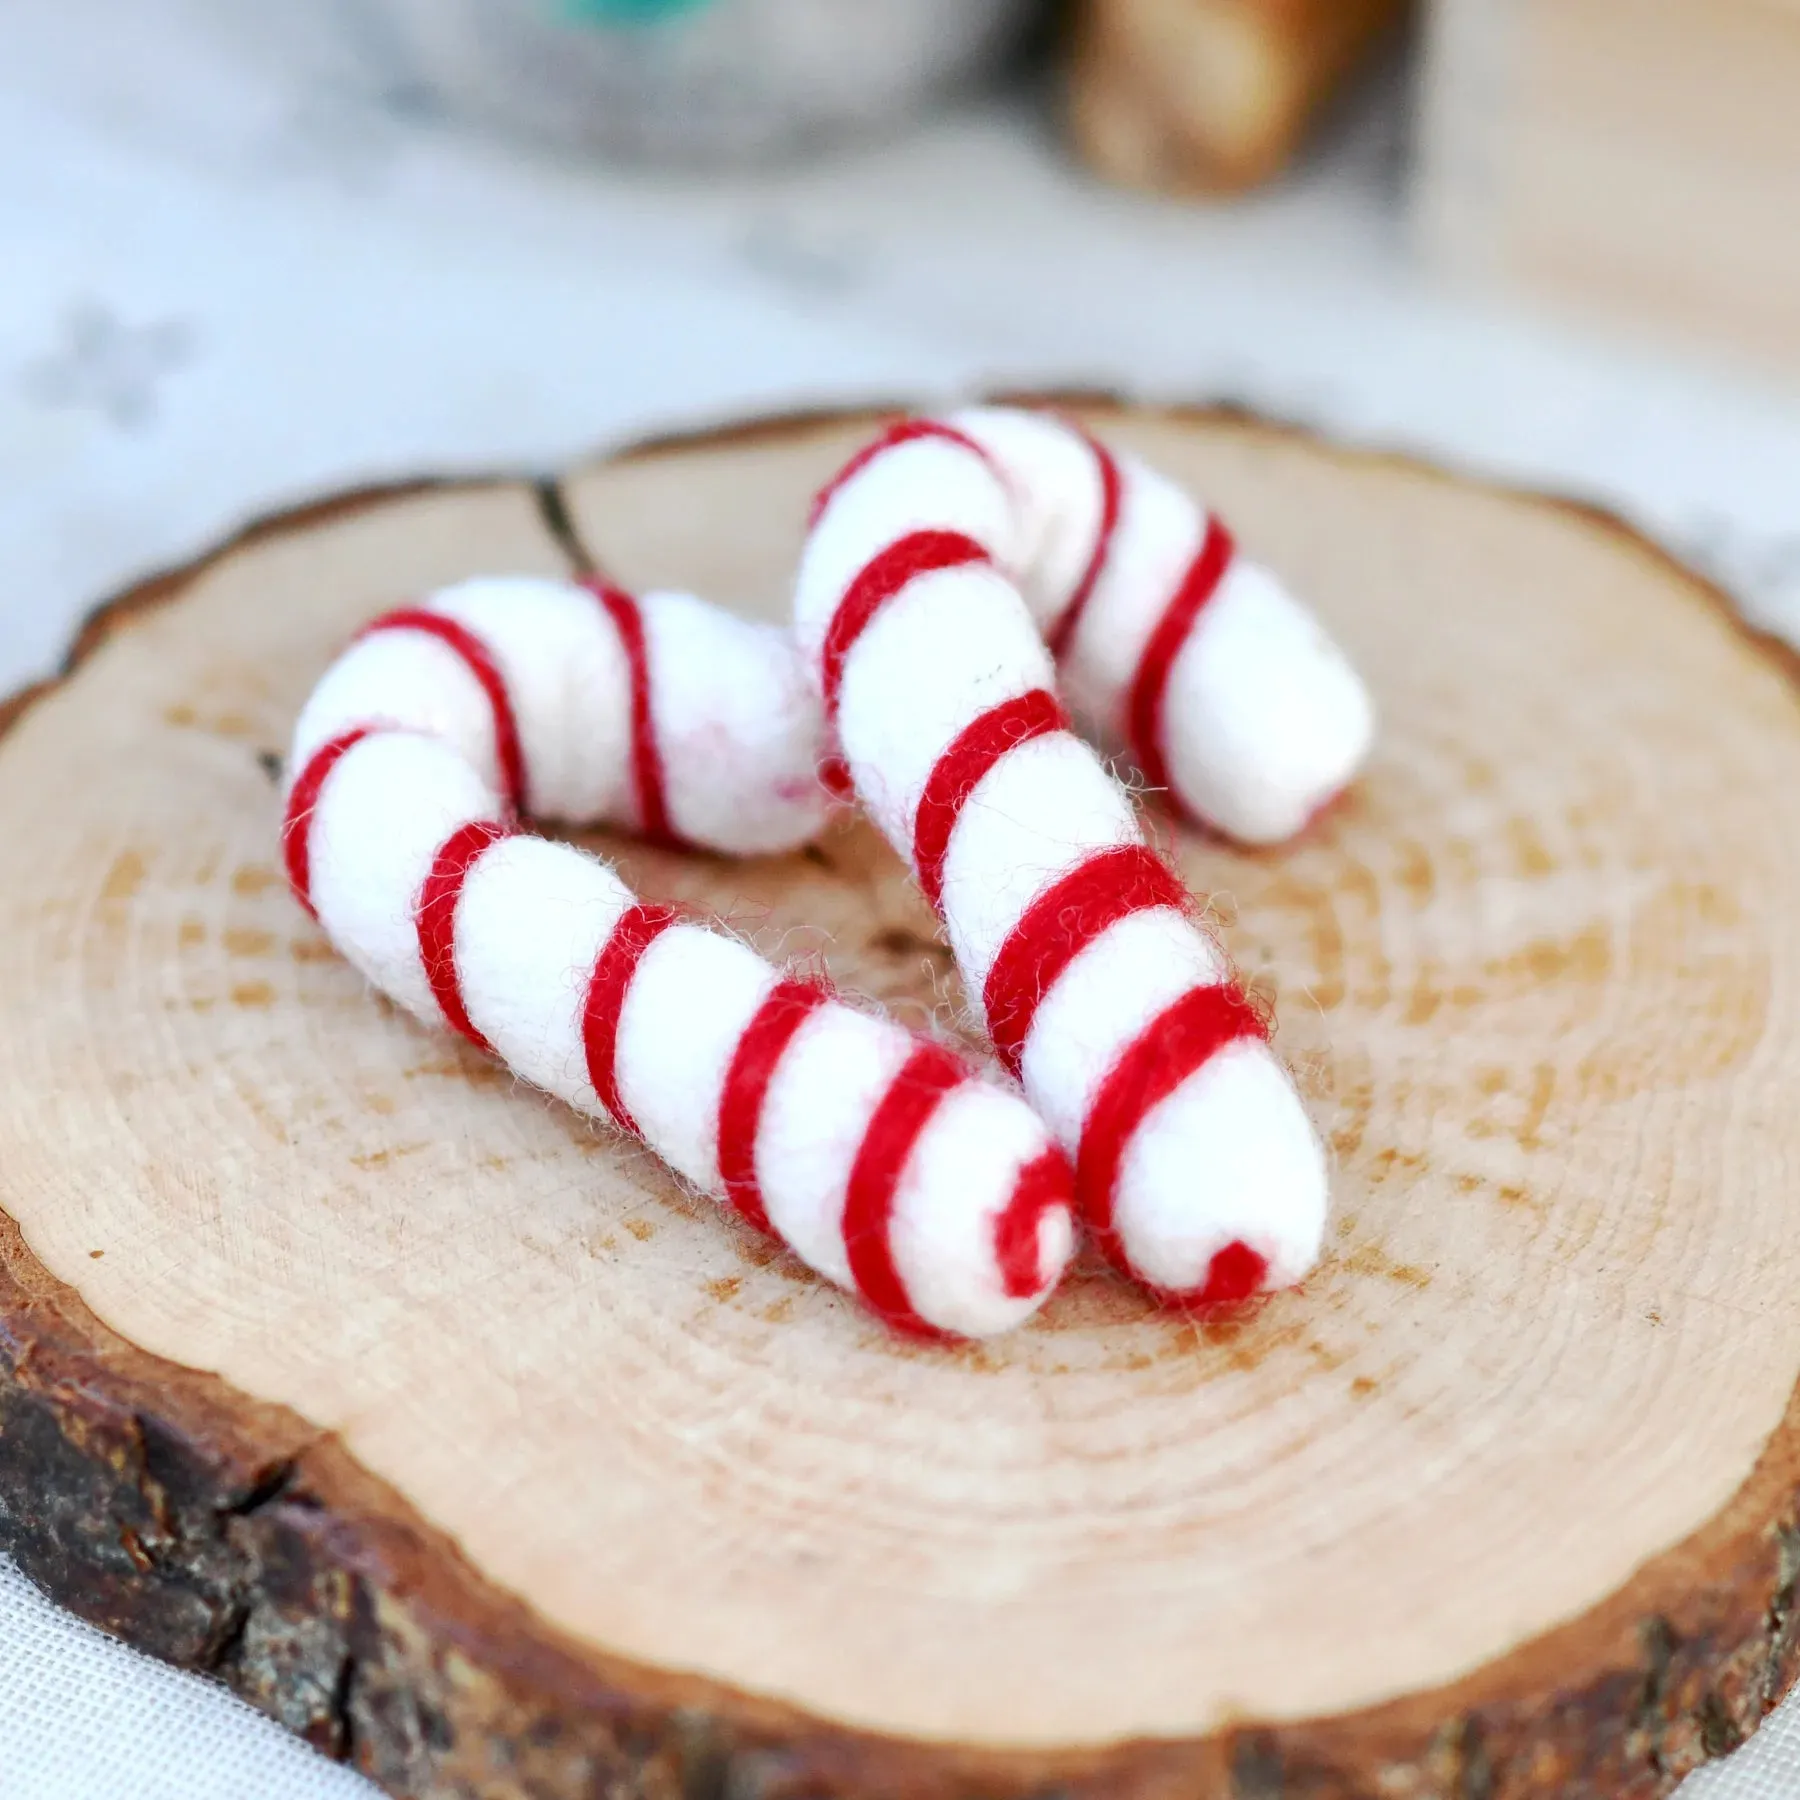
<point>231,284</point>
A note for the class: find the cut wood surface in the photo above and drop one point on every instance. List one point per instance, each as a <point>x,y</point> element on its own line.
<point>448,1429</point>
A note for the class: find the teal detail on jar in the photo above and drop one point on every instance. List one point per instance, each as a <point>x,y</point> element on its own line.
<point>625,12</point>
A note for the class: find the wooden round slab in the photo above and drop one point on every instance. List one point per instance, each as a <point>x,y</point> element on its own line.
<point>455,1435</point>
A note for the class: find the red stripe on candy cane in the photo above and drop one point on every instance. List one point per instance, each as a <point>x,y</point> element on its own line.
<point>434,917</point>
<point>1144,707</point>
<point>955,775</point>
<point>1062,634</point>
<point>479,661</point>
<point>914,1094</point>
<point>646,753</point>
<point>834,777</point>
<point>303,801</point>
<point>1044,1184</point>
<point>638,928</point>
<point>1181,1039</point>
<point>906,431</point>
<point>753,1064</point>
<point>877,582</point>
<point>1058,925</point>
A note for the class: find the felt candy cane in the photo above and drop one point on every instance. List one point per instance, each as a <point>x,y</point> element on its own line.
<point>881,1159</point>
<point>1197,1169</point>
<point>1173,647</point>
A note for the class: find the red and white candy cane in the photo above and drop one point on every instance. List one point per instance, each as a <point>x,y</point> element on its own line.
<point>1197,1169</point>
<point>883,1160</point>
<point>1173,647</point>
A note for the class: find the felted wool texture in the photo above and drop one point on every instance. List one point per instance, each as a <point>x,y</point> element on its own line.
<point>732,745</point>
<point>1197,1168</point>
<point>882,1159</point>
<point>1260,720</point>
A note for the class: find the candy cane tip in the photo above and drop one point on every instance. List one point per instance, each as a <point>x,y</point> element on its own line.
<point>1266,720</point>
<point>984,1224</point>
<point>1034,1236</point>
<point>1267,821</point>
<point>1262,1182</point>
<point>1234,1276</point>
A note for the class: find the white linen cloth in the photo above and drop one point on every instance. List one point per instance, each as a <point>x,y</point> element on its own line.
<point>234,280</point>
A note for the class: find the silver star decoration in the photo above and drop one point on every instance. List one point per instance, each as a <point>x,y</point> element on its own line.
<point>109,366</point>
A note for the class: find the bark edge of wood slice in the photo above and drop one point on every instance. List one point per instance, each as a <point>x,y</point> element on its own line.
<point>463,1444</point>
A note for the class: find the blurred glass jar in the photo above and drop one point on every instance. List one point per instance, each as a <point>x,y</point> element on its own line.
<point>688,80</point>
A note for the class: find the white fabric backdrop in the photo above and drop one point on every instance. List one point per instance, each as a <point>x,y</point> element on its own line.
<point>233,280</point>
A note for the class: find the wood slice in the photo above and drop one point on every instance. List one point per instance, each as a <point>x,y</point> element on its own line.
<point>458,1438</point>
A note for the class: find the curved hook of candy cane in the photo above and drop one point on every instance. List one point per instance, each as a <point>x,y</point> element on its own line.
<point>1173,648</point>
<point>882,1159</point>
<point>1197,1169</point>
<point>663,715</point>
